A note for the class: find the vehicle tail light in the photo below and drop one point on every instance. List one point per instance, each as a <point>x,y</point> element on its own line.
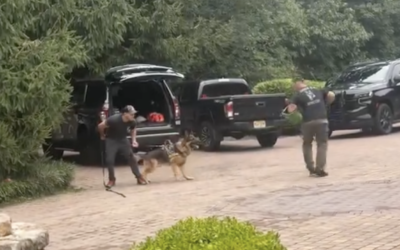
<point>229,109</point>
<point>203,96</point>
<point>104,112</point>
<point>177,110</point>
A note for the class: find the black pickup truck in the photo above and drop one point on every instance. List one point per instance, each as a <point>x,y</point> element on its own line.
<point>367,97</point>
<point>219,108</point>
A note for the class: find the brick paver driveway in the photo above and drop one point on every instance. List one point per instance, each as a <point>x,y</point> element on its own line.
<point>355,208</point>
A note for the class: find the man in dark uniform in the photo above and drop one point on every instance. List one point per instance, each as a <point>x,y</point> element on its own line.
<point>311,103</point>
<point>114,131</point>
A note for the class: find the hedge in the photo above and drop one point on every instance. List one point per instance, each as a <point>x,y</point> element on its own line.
<point>44,177</point>
<point>285,86</point>
<point>281,86</point>
<point>211,233</point>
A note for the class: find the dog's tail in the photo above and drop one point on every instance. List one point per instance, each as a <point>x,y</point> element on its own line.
<point>155,154</point>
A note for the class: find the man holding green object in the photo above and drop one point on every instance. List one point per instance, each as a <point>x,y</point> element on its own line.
<point>311,103</point>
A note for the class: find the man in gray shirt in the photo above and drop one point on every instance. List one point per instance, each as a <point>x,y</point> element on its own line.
<point>114,131</point>
<point>311,103</point>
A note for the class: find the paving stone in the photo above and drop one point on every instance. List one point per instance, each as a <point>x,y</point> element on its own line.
<point>356,207</point>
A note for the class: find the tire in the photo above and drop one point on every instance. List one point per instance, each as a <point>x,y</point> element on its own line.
<point>90,149</point>
<point>267,140</point>
<point>383,120</point>
<point>209,137</point>
<point>53,153</point>
<point>90,155</point>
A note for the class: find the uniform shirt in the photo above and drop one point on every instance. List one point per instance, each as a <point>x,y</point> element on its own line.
<point>117,128</point>
<point>311,104</point>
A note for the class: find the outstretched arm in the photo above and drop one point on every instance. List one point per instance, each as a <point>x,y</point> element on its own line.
<point>329,96</point>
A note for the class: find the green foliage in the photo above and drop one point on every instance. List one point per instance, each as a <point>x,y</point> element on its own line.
<point>42,41</point>
<point>34,93</point>
<point>282,86</point>
<point>212,233</point>
<point>285,86</point>
<point>41,178</point>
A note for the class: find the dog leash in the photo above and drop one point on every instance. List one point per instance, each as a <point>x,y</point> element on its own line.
<point>107,188</point>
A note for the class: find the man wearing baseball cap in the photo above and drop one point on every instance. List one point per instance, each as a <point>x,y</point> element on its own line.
<point>114,130</point>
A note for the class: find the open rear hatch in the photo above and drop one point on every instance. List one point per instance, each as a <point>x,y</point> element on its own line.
<point>126,80</point>
<point>258,107</point>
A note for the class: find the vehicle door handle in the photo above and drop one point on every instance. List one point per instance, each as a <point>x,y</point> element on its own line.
<point>260,104</point>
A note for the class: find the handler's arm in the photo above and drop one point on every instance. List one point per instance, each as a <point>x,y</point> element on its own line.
<point>102,129</point>
<point>329,96</point>
<point>133,131</point>
<point>292,106</point>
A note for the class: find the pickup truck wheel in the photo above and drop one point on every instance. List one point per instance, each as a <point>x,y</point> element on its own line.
<point>383,121</point>
<point>267,140</point>
<point>53,153</point>
<point>90,154</point>
<point>209,137</point>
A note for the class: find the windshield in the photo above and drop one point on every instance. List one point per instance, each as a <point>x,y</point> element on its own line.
<point>362,74</point>
<point>221,89</point>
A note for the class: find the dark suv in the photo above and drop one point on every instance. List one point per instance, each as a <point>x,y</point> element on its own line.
<point>367,97</point>
<point>140,85</point>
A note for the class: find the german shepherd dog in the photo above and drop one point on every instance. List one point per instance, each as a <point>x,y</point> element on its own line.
<point>173,154</point>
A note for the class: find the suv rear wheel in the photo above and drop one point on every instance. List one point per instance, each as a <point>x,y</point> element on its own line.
<point>383,120</point>
<point>209,137</point>
<point>52,152</point>
<point>267,140</point>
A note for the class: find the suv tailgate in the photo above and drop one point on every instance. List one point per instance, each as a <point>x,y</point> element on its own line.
<point>258,107</point>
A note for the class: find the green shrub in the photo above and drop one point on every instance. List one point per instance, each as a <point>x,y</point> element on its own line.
<point>42,178</point>
<point>211,233</point>
<point>281,86</point>
<point>34,95</point>
<point>285,86</point>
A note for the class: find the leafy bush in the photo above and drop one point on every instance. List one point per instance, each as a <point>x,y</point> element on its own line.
<point>281,86</point>
<point>211,233</point>
<point>34,95</point>
<point>42,178</point>
<point>285,86</point>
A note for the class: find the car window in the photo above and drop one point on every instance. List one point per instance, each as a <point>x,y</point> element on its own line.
<point>78,93</point>
<point>95,95</point>
<point>221,89</point>
<point>364,74</point>
<point>396,70</point>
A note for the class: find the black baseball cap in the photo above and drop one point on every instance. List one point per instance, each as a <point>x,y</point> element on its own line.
<point>129,109</point>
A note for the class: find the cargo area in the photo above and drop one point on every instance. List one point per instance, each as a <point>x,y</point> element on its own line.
<point>149,100</point>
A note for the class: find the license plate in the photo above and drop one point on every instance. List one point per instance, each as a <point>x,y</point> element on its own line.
<point>259,124</point>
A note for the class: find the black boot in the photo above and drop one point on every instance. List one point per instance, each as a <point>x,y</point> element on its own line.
<point>321,173</point>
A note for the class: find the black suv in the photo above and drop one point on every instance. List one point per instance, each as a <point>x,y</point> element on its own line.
<point>141,85</point>
<point>219,108</point>
<point>367,97</point>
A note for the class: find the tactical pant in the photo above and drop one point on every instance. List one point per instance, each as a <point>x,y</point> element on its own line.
<point>113,146</point>
<point>319,130</point>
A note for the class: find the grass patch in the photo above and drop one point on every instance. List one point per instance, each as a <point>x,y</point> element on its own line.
<point>42,178</point>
